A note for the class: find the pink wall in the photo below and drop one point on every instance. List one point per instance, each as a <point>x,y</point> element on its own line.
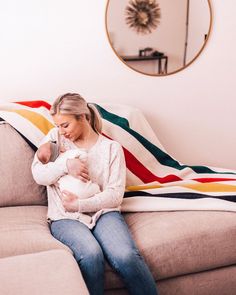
<point>49,47</point>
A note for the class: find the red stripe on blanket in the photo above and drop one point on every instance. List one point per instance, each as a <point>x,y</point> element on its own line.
<point>35,104</point>
<point>138,169</point>
<point>211,179</point>
<point>143,173</point>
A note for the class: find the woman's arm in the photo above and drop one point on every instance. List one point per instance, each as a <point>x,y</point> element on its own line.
<point>47,174</point>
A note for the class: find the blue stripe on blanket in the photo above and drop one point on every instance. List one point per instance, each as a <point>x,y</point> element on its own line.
<point>187,196</point>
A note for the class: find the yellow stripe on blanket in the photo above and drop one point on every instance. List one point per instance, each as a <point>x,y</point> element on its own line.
<point>211,187</point>
<point>38,120</point>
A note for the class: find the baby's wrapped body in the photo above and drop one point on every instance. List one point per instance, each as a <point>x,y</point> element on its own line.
<point>74,185</point>
<point>50,151</point>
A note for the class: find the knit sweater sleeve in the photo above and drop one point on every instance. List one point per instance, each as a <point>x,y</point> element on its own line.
<point>47,174</point>
<point>112,194</point>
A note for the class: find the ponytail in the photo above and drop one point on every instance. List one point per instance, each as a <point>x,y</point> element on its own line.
<point>95,118</point>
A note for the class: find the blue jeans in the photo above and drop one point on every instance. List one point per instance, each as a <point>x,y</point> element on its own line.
<point>110,238</point>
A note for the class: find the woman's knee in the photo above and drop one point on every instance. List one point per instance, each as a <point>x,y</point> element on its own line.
<point>91,255</point>
<point>125,258</point>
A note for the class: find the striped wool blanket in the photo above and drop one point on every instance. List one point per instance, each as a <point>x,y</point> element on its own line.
<point>155,180</point>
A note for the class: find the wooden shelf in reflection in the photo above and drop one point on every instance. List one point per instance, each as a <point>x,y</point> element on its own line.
<point>162,61</point>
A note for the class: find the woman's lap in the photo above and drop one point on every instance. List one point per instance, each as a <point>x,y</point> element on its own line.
<point>110,237</point>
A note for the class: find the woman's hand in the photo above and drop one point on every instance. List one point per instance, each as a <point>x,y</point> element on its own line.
<point>70,201</point>
<point>78,169</point>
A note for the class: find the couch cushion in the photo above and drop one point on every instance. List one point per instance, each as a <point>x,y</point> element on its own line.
<point>214,282</point>
<point>220,281</point>
<point>24,229</point>
<point>50,272</point>
<point>177,243</point>
<point>17,186</point>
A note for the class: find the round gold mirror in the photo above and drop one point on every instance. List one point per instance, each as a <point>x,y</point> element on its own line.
<point>158,37</point>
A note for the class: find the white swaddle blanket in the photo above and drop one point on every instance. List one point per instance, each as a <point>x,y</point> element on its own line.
<point>74,185</point>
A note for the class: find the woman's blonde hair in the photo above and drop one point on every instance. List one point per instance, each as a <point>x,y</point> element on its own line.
<point>75,104</point>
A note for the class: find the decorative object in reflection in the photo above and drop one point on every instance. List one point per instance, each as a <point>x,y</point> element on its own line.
<point>144,52</point>
<point>143,15</point>
<point>148,54</point>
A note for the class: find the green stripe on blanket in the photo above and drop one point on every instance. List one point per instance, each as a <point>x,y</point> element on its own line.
<point>160,155</point>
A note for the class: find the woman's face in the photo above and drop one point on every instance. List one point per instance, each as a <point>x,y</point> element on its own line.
<point>69,126</point>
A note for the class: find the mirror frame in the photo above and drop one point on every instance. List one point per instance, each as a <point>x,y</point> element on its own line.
<point>173,72</point>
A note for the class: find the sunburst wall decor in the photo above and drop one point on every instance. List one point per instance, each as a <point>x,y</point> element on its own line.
<point>143,15</point>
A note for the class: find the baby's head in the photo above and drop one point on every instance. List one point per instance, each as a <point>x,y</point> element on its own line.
<point>48,152</point>
<point>44,152</point>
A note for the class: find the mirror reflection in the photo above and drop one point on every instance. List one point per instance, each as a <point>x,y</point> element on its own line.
<point>158,37</point>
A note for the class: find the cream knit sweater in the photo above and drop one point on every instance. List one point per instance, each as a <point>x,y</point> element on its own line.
<point>106,165</point>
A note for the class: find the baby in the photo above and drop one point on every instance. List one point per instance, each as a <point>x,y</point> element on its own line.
<point>48,152</point>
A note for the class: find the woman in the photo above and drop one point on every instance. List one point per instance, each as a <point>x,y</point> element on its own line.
<point>92,228</point>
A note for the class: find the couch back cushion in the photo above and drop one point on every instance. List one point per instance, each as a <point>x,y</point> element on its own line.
<point>17,186</point>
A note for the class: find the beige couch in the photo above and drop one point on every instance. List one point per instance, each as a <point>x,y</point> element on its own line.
<point>187,252</point>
